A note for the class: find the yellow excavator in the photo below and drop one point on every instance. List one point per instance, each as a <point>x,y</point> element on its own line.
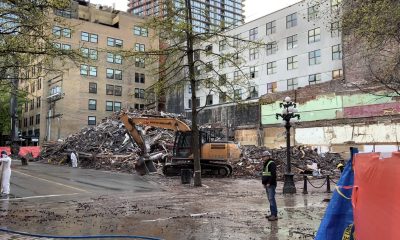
<point>214,156</point>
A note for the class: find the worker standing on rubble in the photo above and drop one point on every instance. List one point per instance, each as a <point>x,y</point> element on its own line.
<point>5,174</point>
<point>269,183</point>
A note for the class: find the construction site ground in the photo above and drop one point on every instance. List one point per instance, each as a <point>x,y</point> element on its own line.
<point>59,200</point>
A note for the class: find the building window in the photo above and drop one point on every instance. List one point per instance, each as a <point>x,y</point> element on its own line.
<point>89,37</point>
<point>237,94</point>
<point>118,90</point>
<point>109,89</point>
<point>59,31</point>
<point>253,72</point>
<point>139,62</point>
<point>291,42</point>
<point>313,12</point>
<point>112,42</point>
<point>26,107</point>
<point>190,103</point>
<point>253,53</point>
<point>89,53</point>
<point>117,106</point>
<point>314,35</point>
<point>337,74</point>
<point>314,57</point>
<point>32,101</point>
<point>33,88</point>
<point>38,102</point>
<point>336,29</point>
<point>114,74</point>
<point>271,68</point>
<point>272,48</point>
<point>292,83</point>
<point>25,122</point>
<point>314,79</point>
<point>253,93</point>
<point>140,31</point>
<point>139,47</point>
<point>140,78</point>
<point>291,20</point>
<point>292,63</point>
<point>88,70</point>
<point>139,93</point>
<point>235,41</point>
<point>39,84</point>
<point>66,47</point>
<point>236,75</point>
<point>109,105</point>
<point>141,106</point>
<point>91,120</point>
<point>66,32</point>
<point>222,45</point>
<point>271,87</point>
<point>222,80</point>
<point>335,5</point>
<point>92,87</point>
<point>92,104</point>
<point>337,52</point>
<point>209,99</point>
<point>31,121</point>
<point>271,27</point>
<point>37,119</point>
<point>114,58</point>
<point>253,34</point>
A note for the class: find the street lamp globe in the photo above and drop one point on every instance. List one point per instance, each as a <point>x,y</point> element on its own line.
<point>287,99</point>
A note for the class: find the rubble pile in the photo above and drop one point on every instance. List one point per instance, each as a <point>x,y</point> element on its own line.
<point>251,164</point>
<point>107,145</point>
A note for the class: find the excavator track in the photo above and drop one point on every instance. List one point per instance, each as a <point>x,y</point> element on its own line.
<point>208,169</point>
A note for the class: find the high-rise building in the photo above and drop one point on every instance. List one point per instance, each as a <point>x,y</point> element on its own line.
<point>61,103</point>
<point>207,14</point>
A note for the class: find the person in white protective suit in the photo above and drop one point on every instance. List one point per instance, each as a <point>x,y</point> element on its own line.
<point>74,160</point>
<point>6,173</point>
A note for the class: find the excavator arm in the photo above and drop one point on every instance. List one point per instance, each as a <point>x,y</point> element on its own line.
<point>145,163</point>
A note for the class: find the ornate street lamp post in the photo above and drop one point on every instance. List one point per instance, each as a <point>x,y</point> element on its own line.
<point>289,115</point>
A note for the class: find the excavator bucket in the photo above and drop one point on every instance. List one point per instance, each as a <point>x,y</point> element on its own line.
<point>145,166</point>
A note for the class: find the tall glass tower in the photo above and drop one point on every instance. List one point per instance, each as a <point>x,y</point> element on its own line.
<point>207,14</point>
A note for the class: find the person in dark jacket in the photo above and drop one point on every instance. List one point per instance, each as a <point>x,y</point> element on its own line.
<point>269,183</point>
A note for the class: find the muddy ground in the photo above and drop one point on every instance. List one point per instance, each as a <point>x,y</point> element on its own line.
<point>221,209</point>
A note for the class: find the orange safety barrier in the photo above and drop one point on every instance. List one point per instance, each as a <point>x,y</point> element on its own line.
<point>376,196</point>
<point>35,150</point>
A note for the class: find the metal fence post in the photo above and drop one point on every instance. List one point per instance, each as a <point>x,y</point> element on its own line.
<point>305,185</point>
<point>328,184</point>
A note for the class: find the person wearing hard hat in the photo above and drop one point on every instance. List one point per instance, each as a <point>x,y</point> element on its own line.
<point>6,173</point>
<point>340,166</point>
<point>269,183</point>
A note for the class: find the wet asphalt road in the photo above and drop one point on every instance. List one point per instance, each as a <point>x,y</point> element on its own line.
<point>43,181</point>
<point>60,200</point>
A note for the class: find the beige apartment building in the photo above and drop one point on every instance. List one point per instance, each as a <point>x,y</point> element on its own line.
<point>83,94</point>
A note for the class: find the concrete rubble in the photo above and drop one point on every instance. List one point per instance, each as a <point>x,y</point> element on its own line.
<point>107,146</point>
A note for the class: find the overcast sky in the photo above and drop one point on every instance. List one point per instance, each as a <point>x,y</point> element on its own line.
<point>253,9</point>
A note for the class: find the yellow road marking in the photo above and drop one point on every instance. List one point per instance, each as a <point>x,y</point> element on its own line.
<point>82,190</point>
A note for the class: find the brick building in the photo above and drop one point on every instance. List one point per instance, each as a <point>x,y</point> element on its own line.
<point>80,95</point>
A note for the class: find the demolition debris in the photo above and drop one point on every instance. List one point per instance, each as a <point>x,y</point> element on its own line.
<point>108,146</point>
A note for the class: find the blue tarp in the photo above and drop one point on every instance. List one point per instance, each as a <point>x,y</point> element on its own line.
<point>337,223</point>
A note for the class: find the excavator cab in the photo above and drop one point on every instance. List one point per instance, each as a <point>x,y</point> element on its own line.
<point>183,143</point>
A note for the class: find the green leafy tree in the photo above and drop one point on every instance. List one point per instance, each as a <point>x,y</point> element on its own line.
<point>371,35</point>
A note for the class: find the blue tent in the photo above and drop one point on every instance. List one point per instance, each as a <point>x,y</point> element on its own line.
<point>337,223</point>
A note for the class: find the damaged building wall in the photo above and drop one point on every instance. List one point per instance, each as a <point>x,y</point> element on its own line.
<point>336,120</point>
<point>233,121</point>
